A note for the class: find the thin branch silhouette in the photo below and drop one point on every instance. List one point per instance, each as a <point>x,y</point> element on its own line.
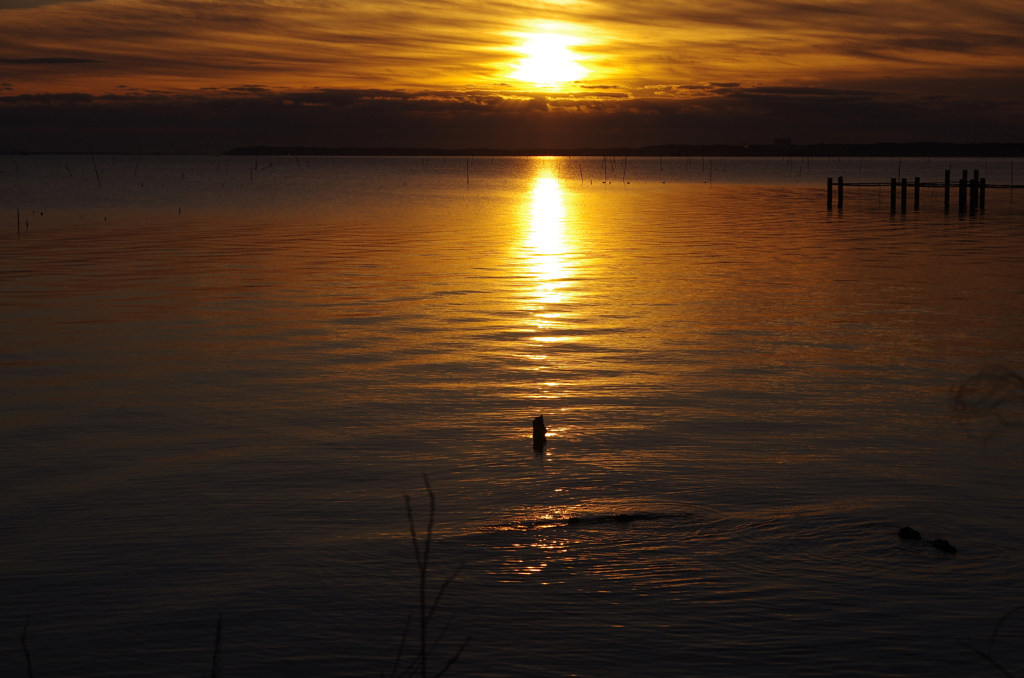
<point>24,647</point>
<point>421,546</point>
<point>987,658</point>
<point>1005,618</point>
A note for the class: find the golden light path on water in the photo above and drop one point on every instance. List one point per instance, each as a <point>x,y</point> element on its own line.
<point>550,242</point>
<point>549,246</point>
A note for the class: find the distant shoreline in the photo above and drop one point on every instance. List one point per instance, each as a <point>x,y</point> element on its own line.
<point>882,150</point>
<point>914,150</point>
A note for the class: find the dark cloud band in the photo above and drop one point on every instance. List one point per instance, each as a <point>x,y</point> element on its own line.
<point>214,121</point>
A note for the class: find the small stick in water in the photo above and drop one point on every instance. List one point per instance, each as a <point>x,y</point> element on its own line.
<point>96,169</point>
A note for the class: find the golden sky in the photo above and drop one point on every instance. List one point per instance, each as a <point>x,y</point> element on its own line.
<point>580,50</point>
<point>296,44</point>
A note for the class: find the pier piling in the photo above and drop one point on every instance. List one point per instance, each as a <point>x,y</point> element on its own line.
<point>971,192</point>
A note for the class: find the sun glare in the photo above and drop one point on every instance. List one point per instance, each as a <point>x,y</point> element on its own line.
<point>548,60</point>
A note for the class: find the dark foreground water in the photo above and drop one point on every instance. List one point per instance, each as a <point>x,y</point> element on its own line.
<point>217,384</point>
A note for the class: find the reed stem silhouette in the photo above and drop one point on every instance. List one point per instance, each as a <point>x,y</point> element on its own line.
<point>215,664</point>
<point>95,169</point>
<point>421,548</point>
<point>999,667</point>
<point>24,648</point>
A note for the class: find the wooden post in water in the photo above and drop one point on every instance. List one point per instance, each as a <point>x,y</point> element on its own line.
<point>974,191</point>
<point>945,204</point>
<point>828,203</point>
<point>539,433</point>
<point>903,195</point>
<point>892,195</point>
<point>963,190</point>
<point>917,193</point>
<point>840,193</point>
<point>981,195</point>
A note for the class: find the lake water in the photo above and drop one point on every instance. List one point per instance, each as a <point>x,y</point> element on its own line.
<point>217,384</point>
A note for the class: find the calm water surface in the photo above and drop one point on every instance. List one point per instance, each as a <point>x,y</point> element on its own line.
<point>218,384</point>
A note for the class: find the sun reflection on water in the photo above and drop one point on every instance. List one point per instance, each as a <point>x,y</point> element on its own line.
<point>549,249</point>
<point>547,239</point>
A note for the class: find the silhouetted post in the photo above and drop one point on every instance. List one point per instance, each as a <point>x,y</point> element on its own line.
<point>840,193</point>
<point>917,193</point>
<point>903,195</point>
<point>539,433</point>
<point>961,204</point>
<point>981,195</point>
<point>945,203</point>
<point>892,195</point>
<point>829,201</point>
<point>974,191</point>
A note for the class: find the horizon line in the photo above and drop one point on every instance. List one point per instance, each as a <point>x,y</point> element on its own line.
<point>780,148</point>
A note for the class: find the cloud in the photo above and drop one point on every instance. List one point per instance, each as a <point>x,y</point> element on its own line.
<point>214,121</point>
<point>50,60</point>
<point>29,4</point>
<point>438,72</point>
<point>473,43</point>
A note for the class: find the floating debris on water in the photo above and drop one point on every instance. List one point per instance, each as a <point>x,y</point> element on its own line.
<point>909,533</point>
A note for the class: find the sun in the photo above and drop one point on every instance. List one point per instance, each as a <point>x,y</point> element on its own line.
<point>548,60</point>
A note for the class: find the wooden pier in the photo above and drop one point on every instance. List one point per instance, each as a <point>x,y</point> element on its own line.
<point>970,192</point>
